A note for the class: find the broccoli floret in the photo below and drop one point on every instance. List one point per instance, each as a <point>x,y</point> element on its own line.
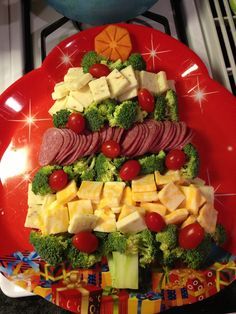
<point>191,166</point>
<point>94,118</point>
<point>40,184</point>
<point>172,105</point>
<point>125,114</point>
<point>107,108</point>
<point>115,242</point>
<point>171,257</point>
<point>132,244</point>
<point>137,62</point>
<point>70,172</point>
<point>60,118</point>
<point>90,58</point>
<point>89,174</point>
<point>105,170</point>
<point>168,238</point>
<point>147,248</point>
<point>160,108</point>
<point>152,163</point>
<point>118,162</point>
<point>141,115</point>
<point>118,64</point>
<point>51,248</point>
<point>80,166</point>
<point>79,259</point>
<point>196,258</point>
<point>220,235</point>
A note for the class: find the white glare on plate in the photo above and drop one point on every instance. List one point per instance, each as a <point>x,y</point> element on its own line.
<point>189,70</point>
<point>13,104</point>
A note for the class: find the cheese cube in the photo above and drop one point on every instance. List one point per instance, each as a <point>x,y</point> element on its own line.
<point>73,103</point>
<point>137,75</point>
<point>162,82</point>
<point>177,216</point>
<point>79,82</point>
<point>83,96</point>
<point>34,199</point>
<point>171,196</point>
<point>60,90</point>
<point>129,74</point>
<point>169,176</point>
<point>154,207</point>
<point>145,196</point>
<point>99,89</point>
<point>58,105</point>
<point>90,190</point>
<point>207,218</point>
<point>117,83</point>
<point>193,198</point>
<point>116,210</point>
<point>127,197</point>
<point>129,209</point>
<point>80,207</point>
<point>149,81</point>
<point>73,73</point>
<point>113,192</point>
<point>198,182</point>
<point>208,193</point>
<point>190,220</point>
<point>82,222</point>
<point>144,184</point>
<point>48,200</point>
<point>131,93</point>
<point>55,219</point>
<point>106,220</point>
<point>68,193</point>
<point>132,223</point>
<point>33,217</point>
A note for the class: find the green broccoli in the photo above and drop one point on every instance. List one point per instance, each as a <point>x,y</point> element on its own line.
<point>95,120</point>
<point>171,257</point>
<point>104,168</point>
<point>60,118</point>
<point>107,108</point>
<point>191,167</point>
<point>51,248</point>
<point>147,248</point>
<point>114,65</point>
<point>70,172</point>
<point>80,259</point>
<point>90,58</point>
<point>152,163</point>
<point>172,105</point>
<point>219,235</point>
<point>40,184</point>
<point>89,174</point>
<point>115,242</point>
<point>137,62</point>
<point>80,166</point>
<point>141,115</point>
<point>132,244</point>
<point>168,238</point>
<point>125,114</point>
<point>160,108</point>
<point>118,162</point>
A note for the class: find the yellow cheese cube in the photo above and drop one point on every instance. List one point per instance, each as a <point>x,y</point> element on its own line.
<point>113,192</point>
<point>129,209</point>
<point>90,190</point>
<point>144,184</point>
<point>145,196</point>
<point>116,210</point>
<point>190,220</point>
<point>34,199</point>
<point>33,217</point>
<point>106,220</point>
<point>208,193</point>
<point>82,222</point>
<point>81,207</point>
<point>207,218</point>
<point>55,219</point>
<point>127,197</point>
<point>193,198</point>
<point>132,223</point>
<point>48,199</point>
<point>177,216</point>
<point>169,176</point>
<point>154,207</point>
<point>68,193</point>
<point>171,196</point>
<point>58,105</point>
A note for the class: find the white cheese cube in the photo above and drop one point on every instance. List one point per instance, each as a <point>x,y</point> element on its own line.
<point>106,220</point>
<point>33,217</point>
<point>171,196</point>
<point>73,103</point>
<point>90,190</point>
<point>207,218</point>
<point>83,96</point>
<point>144,183</point>
<point>132,223</point>
<point>129,74</point>
<point>80,207</point>
<point>113,192</point>
<point>58,105</point>
<point>149,81</point>
<point>60,91</point>
<point>117,83</point>
<point>162,82</point>
<point>193,198</point>
<point>129,209</point>
<point>79,82</point>
<point>82,222</point>
<point>73,73</point>
<point>34,199</point>
<point>99,89</point>
<point>48,200</point>
<point>131,93</point>
<point>208,193</point>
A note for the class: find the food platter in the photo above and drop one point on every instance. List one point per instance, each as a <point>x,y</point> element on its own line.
<point>204,105</point>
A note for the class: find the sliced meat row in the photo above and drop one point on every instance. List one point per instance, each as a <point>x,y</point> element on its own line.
<point>64,147</point>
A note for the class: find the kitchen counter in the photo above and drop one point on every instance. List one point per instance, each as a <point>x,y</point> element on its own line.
<point>223,302</point>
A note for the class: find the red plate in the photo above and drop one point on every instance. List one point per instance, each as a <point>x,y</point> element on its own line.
<point>204,105</point>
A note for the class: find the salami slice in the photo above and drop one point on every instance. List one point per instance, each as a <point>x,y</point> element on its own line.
<point>146,140</point>
<point>155,145</point>
<point>133,147</point>
<point>129,138</point>
<point>94,144</point>
<point>187,140</point>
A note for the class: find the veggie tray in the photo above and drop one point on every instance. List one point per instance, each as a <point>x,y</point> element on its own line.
<point>104,206</point>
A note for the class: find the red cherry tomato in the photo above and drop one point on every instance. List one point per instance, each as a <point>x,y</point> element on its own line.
<point>129,170</point>
<point>154,221</point>
<point>85,241</point>
<point>111,149</point>
<point>146,100</point>
<point>58,180</point>
<point>191,236</point>
<point>98,70</point>
<point>76,122</point>
<point>175,159</point>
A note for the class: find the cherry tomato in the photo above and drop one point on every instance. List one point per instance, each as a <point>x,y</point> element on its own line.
<point>175,159</point>
<point>76,122</point>
<point>85,241</point>
<point>146,100</point>
<point>111,149</point>
<point>154,221</point>
<point>58,180</point>
<point>129,170</point>
<point>98,70</point>
<point>191,236</point>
